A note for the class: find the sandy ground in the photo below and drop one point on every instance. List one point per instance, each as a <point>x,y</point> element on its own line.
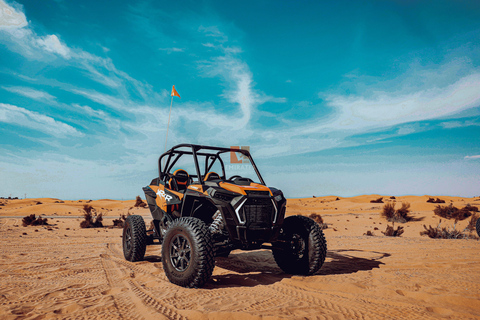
<point>64,272</point>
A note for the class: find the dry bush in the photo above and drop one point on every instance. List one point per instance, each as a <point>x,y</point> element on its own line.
<point>451,212</point>
<point>445,232</point>
<point>391,232</point>
<point>438,200</point>
<point>400,215</point>
<point>120,221</point>
<point>369,233</point>
<point>392,197</point>
<point>319,220</point>
<point>139,203</point>
<point>88,216</point>
<point>473,222</point>
<point>379,200</point>
<point>388,211</point>
<point>471,208</point>
<point>32,221</point>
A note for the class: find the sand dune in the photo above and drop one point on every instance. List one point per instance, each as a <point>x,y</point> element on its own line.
<point>64,272</point>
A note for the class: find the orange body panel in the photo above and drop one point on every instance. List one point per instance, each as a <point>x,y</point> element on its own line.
<point>241,189</point>
<point>162,197</point>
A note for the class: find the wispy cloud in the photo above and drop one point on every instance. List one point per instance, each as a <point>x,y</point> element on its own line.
<point>472,157</point>
<point>51,43</point>
<point>30,93</point>
<point>388,109</point>
<point>37,121</point>
<point>172,50</point>
<point>214,32</point>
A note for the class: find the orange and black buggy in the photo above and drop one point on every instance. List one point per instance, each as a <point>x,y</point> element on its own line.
<point>199,214</point>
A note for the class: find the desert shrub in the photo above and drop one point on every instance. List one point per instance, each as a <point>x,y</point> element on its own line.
<point>472,223</point>
<point>388,211</point>
<point>120,221</point>
<point>471,208</point>
<point>392,197</point>
<point>445,233</point>
<point>32,221</point>
<point>379,200</point>
<point>400,215</point>
<point>369,233</point>
<point>438,200</point>
<point>319,220</point>
<point>451,212</point>
<point>391,232</point>
<point>139,203</point>
<point>88,209</point>
<point>89,216</point>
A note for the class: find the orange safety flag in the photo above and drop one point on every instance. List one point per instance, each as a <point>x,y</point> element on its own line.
<point>174,92</point>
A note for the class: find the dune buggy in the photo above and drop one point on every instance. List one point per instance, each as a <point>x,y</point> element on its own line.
<point>199,213</point>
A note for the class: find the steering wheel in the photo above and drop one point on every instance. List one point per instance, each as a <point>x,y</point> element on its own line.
<point>234,177</point>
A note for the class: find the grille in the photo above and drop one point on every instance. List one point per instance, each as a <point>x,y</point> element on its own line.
<point>258,193</point>
<point>258,212</point>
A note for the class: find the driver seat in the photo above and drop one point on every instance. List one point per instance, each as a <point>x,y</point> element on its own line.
<point>212,176</point>
<point>179,180</point>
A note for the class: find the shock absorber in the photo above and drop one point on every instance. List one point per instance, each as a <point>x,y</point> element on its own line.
<point>217,225</point>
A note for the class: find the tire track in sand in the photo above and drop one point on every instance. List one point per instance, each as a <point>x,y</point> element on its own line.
<point>360,308</point>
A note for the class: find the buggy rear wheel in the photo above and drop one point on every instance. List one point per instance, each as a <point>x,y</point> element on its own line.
<point>187,253</point>
<point>301,248</point>
<point>134,238</point>
<point>478,226</point>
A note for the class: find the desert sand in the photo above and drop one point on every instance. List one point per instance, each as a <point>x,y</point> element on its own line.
<point>64,272</point>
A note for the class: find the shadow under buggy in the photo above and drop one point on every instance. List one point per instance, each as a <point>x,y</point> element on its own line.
<point>200,214</point>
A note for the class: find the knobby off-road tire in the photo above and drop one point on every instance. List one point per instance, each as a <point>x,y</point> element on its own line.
<point>187,253</point>
<point>478,226</point>
<point>303,247</point>
<point>134,238</point>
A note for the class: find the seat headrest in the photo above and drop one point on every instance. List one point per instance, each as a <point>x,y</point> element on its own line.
<point>181,176</point>
<point>211,176</point>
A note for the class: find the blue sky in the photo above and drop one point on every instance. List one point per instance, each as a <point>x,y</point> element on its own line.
<point>333,98</point>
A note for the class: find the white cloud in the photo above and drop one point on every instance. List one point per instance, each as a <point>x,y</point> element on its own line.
<point>51,43</point>
<point>37,121</point>
<point>472,157</point>
<point>30,93</point>
<point>383,109</point>
<point>170,50</point>
<point>458,124</point>
<point>214,32</point>
<point>22,39</point>
<point>11,18</point>
<point>91,112</point>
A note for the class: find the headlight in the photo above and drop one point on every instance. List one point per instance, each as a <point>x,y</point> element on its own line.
<point>278,197</point>
<point>219,195</point>
<point>222,196</point>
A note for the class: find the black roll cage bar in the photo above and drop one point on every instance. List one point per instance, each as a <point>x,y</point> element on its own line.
<point>174,154</point>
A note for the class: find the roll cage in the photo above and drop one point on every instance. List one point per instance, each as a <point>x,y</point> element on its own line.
<point>211,154</point>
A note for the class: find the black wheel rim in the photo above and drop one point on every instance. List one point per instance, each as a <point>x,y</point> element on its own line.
<point>128,238</point>
<point>298,246</point>
<point>180,253</point>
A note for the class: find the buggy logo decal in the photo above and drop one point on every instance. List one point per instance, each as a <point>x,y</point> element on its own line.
<point>162,194</point>
<point>243,158</point>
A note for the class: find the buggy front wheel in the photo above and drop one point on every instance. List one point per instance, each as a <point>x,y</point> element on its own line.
<point>187,253</point>
<point>301,248</point>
